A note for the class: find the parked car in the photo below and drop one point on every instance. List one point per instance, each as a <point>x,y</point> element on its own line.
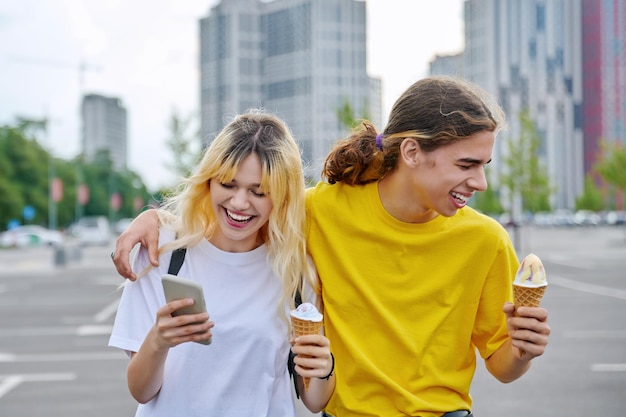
<point>563,217</point>
<point>615,217</point>
<point>30,235</point>
<point>122,224</point>
<point>587,218</point>
<point>93,230</point>
<point>543,218</point>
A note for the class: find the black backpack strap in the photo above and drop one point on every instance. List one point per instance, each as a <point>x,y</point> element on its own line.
<point>178,257</point>
<point>298,298</point>
<point>291,366</point>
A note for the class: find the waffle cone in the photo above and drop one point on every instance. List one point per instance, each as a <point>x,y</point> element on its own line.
<point>528,296</point>
<point>303,327</point>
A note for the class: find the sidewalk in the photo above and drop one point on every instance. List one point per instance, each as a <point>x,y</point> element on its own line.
<point>16,261</point>
<point>592,242</point>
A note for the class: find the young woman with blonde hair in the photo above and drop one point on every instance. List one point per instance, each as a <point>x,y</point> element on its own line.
<point>240,216</point>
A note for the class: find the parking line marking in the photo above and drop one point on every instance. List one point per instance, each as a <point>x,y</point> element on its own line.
<point>93,330</point>
<point>64,357</point>
<point>9,382</point>
<point>106,312</point>
<point>38,331</point>
<point>7,357</point>
<point>608,367</point>
<point>84,330</point>
<point>595,334</point>
<point>588,288</point>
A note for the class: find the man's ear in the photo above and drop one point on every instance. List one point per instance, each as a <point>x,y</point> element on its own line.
<point>410,152</point>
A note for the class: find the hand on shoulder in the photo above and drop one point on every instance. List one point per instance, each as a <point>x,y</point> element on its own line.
<point>143,229</point>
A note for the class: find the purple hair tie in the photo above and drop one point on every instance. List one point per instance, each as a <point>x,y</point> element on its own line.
<point>379,141</point>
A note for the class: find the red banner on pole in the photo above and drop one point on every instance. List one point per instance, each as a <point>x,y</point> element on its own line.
<point>138,203</point>
<point>116,201</point>
<point>56,190</point>
<point>83,194</point>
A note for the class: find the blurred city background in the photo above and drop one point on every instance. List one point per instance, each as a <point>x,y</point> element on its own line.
<point>105,105</point>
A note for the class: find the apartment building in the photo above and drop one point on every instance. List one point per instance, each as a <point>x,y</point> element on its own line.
<point>301,59</point>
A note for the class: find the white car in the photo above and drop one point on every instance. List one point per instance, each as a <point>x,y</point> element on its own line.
<point>93,230</point>
<point>30,235</point>
<point>122,224</point>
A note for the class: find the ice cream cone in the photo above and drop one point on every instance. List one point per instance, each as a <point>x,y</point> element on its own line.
<point>528,296</point>
<point>303,327</point>
<point>529,285</point>
<point>305,319</point>
<point>530,282</point>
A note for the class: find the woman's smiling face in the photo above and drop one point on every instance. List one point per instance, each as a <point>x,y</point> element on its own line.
<point>242,209</point>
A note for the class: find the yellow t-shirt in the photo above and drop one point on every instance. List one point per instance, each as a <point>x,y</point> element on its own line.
<point>405,304</point>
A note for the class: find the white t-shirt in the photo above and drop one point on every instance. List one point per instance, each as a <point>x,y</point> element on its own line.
<point>243,372</point>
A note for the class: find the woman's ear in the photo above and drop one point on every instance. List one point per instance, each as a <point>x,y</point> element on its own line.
<point>410,152</point>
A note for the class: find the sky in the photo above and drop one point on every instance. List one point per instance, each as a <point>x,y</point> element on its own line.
<point>145,52</point>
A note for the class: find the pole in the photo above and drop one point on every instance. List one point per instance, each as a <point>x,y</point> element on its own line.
<point>52,204</point>
<point>79,182</point>
<point>78,212</point>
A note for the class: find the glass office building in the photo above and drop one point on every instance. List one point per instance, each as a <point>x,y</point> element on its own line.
<point>301,59</point>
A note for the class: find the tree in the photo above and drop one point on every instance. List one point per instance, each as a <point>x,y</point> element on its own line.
<point>612,165</point>
<point>525,175</point>
<point>66,208</point>
<point>591,199</point>
<point>30,127</point>
<point>184,145</point>
<point>26,169</point>
<point>347,117</point>
<point>12,202</point>
<point>103,182</point>
<point>27,174</point>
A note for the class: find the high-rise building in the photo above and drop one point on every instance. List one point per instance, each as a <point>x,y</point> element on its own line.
<point>604,75</point>
<point>529,55</point>
<point>300,59</point>
<point>104,129</point>
<point>451,65</point>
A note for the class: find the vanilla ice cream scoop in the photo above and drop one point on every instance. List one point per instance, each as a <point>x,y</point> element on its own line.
<point>308,312</point>
<point>531,272</point>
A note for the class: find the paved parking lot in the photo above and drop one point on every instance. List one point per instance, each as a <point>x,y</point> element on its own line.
<point>55,320</point>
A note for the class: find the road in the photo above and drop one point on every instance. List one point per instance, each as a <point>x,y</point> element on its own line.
<point>55,321</point>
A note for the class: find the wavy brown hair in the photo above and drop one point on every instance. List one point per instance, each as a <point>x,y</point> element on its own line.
<point>436,111</point>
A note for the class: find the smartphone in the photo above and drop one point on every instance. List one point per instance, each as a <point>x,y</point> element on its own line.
<point>176,288</point>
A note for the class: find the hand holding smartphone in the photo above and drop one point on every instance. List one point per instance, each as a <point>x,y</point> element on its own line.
<point>176,288</point>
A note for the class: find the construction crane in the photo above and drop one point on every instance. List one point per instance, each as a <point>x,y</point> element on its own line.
<point>81,67</point>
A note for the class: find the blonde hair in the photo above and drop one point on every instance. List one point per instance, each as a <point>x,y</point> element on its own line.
<point>282,179</point>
